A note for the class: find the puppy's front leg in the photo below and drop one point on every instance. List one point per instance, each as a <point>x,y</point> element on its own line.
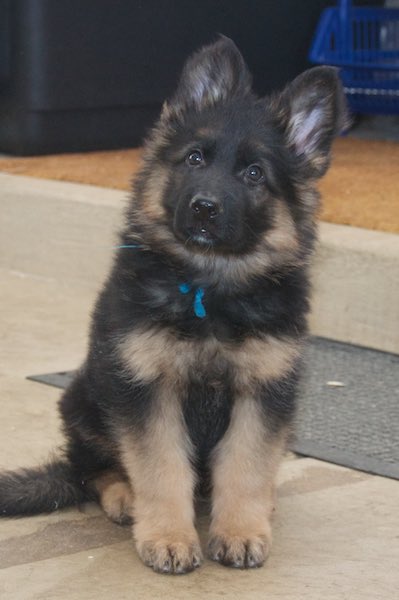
<point>244,467</point>
<point>158,464</point>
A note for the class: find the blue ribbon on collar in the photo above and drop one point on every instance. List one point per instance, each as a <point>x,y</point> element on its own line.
<point>199,308</point>
<point>185,288</point>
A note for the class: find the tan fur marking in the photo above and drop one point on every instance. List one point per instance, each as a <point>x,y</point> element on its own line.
<point>279,247</point>
<point>245,464</point>
<point>310,197</point>
<point>152,204</point>
<point>158,465</point>
<point>283,236</point>
<point>149,354</point>
<point>263,359</point>
<point>233,270</point>
<point>207,132</point>
<point>116,497</point>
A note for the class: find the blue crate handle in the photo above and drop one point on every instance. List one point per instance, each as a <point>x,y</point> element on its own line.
<point>344,7</point>
<point>345,28</point>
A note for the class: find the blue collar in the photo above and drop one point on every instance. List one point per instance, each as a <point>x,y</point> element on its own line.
<point>199,308</point>
<point>185,288</point>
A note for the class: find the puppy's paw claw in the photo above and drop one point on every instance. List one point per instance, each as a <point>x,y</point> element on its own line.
<point>171,557</point>
<point>239,552</point>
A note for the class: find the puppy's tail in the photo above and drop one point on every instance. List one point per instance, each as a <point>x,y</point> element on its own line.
<point>40,490</point>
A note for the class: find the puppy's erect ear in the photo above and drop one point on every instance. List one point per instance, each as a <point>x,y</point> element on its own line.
<point>313,111</point>
<point>212,74</point>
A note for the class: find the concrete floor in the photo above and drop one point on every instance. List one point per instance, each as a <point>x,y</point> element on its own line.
<point>336,531</point>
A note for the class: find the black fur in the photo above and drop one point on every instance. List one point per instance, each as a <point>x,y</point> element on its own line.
<point>251,164</point>
<point>42,490</point>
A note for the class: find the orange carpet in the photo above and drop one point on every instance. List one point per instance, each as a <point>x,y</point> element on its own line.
<point>361,188</point>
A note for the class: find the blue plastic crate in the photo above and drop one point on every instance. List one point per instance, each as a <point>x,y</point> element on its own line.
<point>364,43</point>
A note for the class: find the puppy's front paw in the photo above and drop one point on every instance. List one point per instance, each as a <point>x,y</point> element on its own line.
<point>171,556</point>
<point>239,552</point>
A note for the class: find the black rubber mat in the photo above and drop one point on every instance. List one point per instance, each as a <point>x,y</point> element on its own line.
<point>348,409</point>
<point>355,424</point>
<point>59,380</point>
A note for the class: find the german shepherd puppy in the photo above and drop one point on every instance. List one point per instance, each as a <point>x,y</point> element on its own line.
<point>197,336</point>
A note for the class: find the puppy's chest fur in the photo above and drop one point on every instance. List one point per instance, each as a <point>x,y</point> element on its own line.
<point>204,375</point>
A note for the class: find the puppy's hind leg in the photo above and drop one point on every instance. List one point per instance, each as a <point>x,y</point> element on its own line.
<point>115,496</point>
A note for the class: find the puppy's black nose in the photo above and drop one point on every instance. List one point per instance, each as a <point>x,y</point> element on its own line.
<point>204,209</point>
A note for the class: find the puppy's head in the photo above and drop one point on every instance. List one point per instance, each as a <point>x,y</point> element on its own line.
<point>228,174</point>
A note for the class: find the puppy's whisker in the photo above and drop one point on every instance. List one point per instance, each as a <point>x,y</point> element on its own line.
<point>129,245</point>
<point>249,228</point>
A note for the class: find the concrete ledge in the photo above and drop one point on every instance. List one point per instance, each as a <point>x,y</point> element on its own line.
<point>58,230</point>
<point>356,287</point>
<point>66,231</point>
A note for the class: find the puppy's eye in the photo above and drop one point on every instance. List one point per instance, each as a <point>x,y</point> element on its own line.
<point>195,158</point>
<point>254,174</point>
